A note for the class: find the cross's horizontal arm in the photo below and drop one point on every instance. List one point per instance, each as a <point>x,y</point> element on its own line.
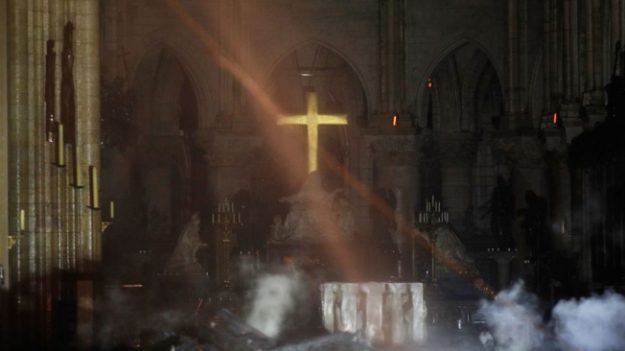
<point>301,119</point>
<point>333,119</point>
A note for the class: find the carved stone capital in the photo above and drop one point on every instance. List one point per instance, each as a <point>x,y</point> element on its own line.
<point>233,150</point>
<point>457,150</point>
<point>521,151</point>
<point>395,150</point>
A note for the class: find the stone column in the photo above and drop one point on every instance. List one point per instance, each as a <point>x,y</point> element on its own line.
<point>392,57</point>
<point>17,147</point>
<point>594,81</point>
<point>88,123</point>
<point>87,81</point>
<point>616,21</point>
<point>457,155</point>
<point>230,40</point>
<point>512,58</point>
<point>570,105</point>
<point>230,157</point>
<point>525,154</point>
<point>396,169</point>
<point>547,58</point>
<point>5,269</point>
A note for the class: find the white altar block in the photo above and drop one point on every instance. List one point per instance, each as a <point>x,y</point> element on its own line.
<point>382,313</point>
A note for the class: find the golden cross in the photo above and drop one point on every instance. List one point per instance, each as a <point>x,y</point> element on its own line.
<point>312,119</point>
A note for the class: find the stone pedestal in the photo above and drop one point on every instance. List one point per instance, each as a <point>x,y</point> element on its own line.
<point>503,260</point>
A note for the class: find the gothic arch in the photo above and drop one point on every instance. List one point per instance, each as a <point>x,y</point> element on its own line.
<point>294,47</point>
<point>461,79</point>
<point>168,94</point>
<point>340,90</point>
<point>479,84</point>
<point>191,59</point>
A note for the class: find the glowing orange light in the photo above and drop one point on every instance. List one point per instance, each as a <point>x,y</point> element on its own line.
<point>555,118</point>
<point>394,120</point>
<point>429,85</point>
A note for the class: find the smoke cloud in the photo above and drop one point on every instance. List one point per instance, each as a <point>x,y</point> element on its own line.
<point>273,300</point>
<point>591,324</point>
<point>596,323</point>
<point>513,319</point>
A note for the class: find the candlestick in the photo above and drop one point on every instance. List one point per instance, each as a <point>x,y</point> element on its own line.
<point>60,146</point>
<point>95,190</point>
<point>22,220</point>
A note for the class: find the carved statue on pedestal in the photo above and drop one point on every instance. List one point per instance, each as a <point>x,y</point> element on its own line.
<point>315,213</point>
<point>184,257</point>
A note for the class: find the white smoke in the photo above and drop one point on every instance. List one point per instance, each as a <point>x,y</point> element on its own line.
<point>591,324</point>
<point>273,300</point>
<point>514,320</point>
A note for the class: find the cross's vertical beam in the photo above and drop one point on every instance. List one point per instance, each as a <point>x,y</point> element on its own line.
<point>312,120</point>
<point>312,130</point>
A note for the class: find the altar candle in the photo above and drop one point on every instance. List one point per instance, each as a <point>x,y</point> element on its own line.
<point>22,220</point>
<point>95,189</point>
<point>112,209</point>
<point>60,146</point>
<point>77,173</point>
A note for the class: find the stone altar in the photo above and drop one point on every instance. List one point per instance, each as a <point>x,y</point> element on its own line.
<point>382,313</point>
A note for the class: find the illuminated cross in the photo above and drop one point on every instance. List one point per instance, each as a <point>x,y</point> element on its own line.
<point>312,119</point>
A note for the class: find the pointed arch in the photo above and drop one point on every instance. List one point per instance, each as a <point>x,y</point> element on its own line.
<point>189,55</point>
<point>465,63</point>
<point>313,41</point>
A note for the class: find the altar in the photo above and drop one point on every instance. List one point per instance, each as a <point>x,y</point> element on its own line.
<point>381,312</point>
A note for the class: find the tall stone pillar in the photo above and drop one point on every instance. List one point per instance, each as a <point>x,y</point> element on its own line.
<point>525,155</point>
<point>396,169</point>
<point>593,99</point>
<point>230,159</point>
<point>513,65</point>
<point>57,226</point>
<point>457,154</point>
<point>231,102</point>
<point>392,60</point>
<point>88,138</point>
<point>18,149</point>
<point>4,184</point>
